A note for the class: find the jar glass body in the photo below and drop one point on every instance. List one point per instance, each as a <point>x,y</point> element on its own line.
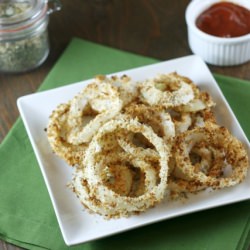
<point>24,40</point>
<point>24,50</point>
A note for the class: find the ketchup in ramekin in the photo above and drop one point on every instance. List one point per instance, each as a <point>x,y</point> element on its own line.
<point>225,19</point>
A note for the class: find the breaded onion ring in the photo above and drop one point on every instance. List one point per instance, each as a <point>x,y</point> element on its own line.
<point>100,95</point>
<point>88,184</point>
<point>56,132</point>
<point>230,161</point>
<point>127,89</point>
<point>156,117</point>
<point>184,121</point>
<point>96,104</point>
<point>168,90</point>
<point>201,101</point>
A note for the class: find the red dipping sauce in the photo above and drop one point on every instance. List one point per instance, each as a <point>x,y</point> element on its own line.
<point>225,19</point>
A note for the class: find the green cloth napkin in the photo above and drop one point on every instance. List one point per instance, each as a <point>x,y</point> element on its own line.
<point>27,218</point>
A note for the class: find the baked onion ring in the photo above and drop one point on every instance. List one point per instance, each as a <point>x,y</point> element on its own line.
<point>88,184</point>
<point>184,121</point>
<point>99,94</point>
<point>230,163</point>
<point>168,90</point>
<point>127,89</point>
<point>201,101</point>
<point>56,132</point>
<point>96,104</point>
<point>156,117</point>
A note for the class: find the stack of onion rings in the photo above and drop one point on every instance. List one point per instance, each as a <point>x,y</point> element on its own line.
<point>88,185</point>
<point>131,144</point>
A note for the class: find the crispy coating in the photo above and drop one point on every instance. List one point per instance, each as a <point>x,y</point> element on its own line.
<point>112,203</point>
<point>209,156</point>
<point>134,143</point>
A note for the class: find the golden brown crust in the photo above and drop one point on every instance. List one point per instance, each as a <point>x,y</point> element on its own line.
<point>134,142</point>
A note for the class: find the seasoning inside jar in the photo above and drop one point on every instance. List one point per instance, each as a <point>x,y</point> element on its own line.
<point>225,19</point>
<point>24,41</point>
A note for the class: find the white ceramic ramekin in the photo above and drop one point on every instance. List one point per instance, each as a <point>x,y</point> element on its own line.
<point>215,50</point>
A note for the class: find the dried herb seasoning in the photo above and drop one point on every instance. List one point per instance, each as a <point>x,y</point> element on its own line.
<point>24,39</point>
<point>9,9</point>
<point>24,54</point>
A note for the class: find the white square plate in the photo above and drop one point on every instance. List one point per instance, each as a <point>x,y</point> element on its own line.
<point>79,226</point>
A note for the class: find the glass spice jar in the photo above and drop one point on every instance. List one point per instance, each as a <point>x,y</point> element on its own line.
<point>24,43</point>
